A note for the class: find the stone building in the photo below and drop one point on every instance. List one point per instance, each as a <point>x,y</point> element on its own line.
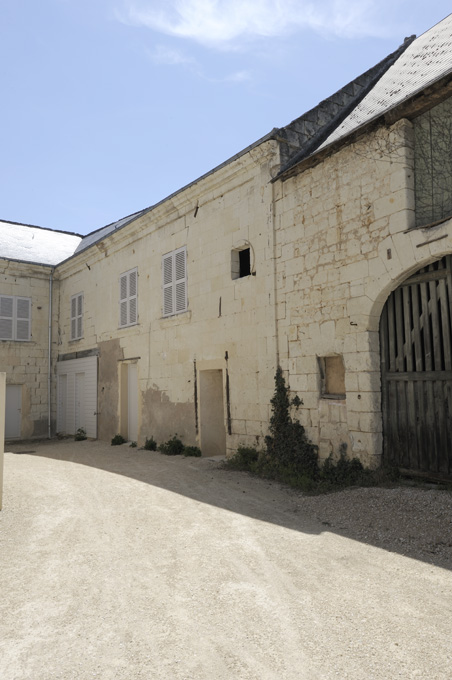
<point>324,248</point>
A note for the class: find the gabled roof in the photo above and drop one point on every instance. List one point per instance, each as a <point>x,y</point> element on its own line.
<point>418,64</point>
<point>425,61</point>
<point>309,130</point>
<point>27,243</point>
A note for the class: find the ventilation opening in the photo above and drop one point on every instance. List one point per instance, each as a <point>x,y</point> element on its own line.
<point>240,263</point>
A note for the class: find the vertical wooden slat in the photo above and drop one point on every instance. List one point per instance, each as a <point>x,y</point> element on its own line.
<point>425,323</point>
<point>391,333</point>
<point>445,325</point>
<point>411,438</point>
<point>384,355</point>
<point>436,330</point>
<point>419,356</point>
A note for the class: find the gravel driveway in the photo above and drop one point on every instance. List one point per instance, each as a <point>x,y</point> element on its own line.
<point>122,564</point>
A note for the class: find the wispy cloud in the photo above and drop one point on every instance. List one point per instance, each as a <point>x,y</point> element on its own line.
<point>226,23</point>
<point>166,55</point>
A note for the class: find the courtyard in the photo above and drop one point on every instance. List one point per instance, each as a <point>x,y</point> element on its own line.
<point>123,564</point>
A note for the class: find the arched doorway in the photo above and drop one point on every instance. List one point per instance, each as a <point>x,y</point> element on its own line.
<point>416,372</point>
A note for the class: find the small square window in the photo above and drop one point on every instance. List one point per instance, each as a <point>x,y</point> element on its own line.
<point>332,376</point>
<point>240,263</point>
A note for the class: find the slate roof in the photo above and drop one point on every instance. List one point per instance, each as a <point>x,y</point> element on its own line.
<point>424,61</point>
<point>99,234</point>
<point>38,245</point>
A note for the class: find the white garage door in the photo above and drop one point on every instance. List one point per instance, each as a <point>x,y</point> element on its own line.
<point>77,396</point>
<point>13,411</point>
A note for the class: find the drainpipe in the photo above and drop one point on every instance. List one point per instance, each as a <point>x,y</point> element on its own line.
<point>49,377</point>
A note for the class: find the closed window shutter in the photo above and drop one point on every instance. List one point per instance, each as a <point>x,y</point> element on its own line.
<point>168,285</point>
<point>132,297</point>
<point>73,318</point>
<point>77,317</point>
<point>128,298</point>
<point>23,319</point>
<point>181,288</point>
<point>80,316</point>
<point>6,318</point>
<point>175,282</point>
<point>123,300</point>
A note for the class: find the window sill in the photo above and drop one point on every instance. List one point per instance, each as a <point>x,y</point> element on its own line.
<point>430,225</point>
<point>182,317</point>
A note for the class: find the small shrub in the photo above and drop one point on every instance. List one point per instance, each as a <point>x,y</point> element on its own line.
<point>245,458</point>
<point>117,440</point>
<point>133,445</point>
<point>80,435</point>
<point>194,451</point>
<point>173,447</point>
<point>150,444</point>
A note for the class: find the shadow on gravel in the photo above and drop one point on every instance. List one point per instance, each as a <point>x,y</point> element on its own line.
<point>392,519</point>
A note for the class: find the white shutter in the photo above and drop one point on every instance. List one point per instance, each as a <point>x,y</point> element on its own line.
<point>6,317</point>
<point>180,281</point>
<point>73,318</point>
<point>80,316</point>
<point>23,318</point>
<point>128,298</point>
<point>133,294</point>
<point>168,285</point>
<point>77,316</point>
<point>175,282</point>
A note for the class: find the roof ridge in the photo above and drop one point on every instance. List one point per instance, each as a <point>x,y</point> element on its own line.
<point>333,111</point>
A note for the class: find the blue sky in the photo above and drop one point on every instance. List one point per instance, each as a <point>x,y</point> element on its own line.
<point>109,106</point>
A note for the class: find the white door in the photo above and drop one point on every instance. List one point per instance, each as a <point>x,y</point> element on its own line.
<point>132,399</point>
<point>79,407</point>
<point>13,411</point>
<point>80,420</point>
<point>62,404</point>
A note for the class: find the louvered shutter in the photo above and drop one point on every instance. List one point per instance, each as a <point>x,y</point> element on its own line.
<point>80,316</point>
<point>180,281</point>
<point>6,318</point>
<point>168,285</point>
<point>133,297</point>
<point>73,318</point>
<point>123,300</point>
<point>128,298</point>
<point>23,319</point>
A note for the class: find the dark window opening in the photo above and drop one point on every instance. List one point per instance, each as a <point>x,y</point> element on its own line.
<point>241,263</point>
<point>245,262</point>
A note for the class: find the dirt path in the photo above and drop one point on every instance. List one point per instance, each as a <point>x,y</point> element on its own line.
<point>122,564</point>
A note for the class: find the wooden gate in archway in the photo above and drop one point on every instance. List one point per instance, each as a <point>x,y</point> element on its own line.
<point>416,372</point>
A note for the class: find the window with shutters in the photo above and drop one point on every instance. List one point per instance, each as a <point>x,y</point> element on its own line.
<point>128,298</point>
<point>77,316</point>
<point>15,318</point>
<point>174,267</point>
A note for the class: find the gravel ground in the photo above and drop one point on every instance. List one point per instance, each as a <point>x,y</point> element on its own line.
<point>121,564</point>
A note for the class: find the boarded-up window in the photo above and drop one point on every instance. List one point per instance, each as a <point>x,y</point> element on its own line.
<point>332,376</point>
<point>174,270</point>
<point>128,298</point>
<point>15,318</point>
<point>433,164</point>
<point>77,316</point>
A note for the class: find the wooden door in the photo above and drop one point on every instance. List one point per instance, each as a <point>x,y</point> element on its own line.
<point>416,372</point>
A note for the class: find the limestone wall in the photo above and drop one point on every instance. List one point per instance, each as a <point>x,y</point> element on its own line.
<point>342,247</point>
<point>27,363</point>
<point>229,324</point>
